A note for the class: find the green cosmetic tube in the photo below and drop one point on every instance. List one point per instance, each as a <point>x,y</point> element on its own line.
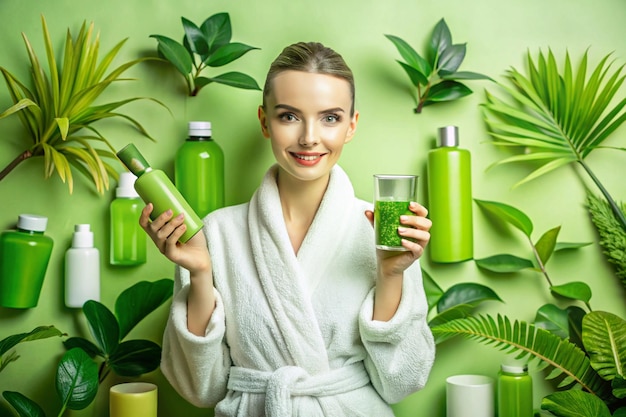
<point>154,186</point>
<point>515,391</point>
<point>24,257</point>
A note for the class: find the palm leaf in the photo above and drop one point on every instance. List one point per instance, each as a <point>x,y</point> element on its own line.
<point>526,340</point>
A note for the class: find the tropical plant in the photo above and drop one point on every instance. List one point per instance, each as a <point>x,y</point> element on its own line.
<point>59,110</point>
<point>78,372</point>
<point>436,76</point>
<point>557,118</point>
<point>584,349</point>
<point>207,45</point>
<point>7,355</point>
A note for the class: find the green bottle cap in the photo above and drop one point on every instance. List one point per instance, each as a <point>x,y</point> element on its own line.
<point>133,159</point>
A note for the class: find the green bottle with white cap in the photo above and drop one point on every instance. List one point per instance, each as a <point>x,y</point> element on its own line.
<point>128,240</point>
<point>24,256</point>
<point>154,186</point>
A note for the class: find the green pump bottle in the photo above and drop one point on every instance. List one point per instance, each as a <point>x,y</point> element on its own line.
<point>24,256</point>
<point>154,186</point>
<point>128,240</point>
<point>199,170</point>
<point>450,199</point>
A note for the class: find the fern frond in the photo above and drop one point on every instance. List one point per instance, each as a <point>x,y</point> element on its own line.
<point>612,235</point>
<point>526,340</point>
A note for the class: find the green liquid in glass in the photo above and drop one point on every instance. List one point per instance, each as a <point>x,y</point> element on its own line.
<point>386,222</point>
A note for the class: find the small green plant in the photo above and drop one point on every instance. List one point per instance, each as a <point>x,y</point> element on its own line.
<point>7,355</point>
<point>436,77</point>
<point>207,45</point>
<point>612,236</point>
<point>78,373</point>
<point>58,112</point>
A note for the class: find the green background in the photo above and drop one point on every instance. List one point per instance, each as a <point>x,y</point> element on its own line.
<point>390,139</point>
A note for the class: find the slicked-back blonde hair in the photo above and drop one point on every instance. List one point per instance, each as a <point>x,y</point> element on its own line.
<point>310,57</point>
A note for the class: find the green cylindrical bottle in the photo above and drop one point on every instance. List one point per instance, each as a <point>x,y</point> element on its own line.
<point>24,257</point>
<point>199,170</point>
<point>450,199</point>
<point>515,391</point>
<point>154,186</point>
<point>128,240</point>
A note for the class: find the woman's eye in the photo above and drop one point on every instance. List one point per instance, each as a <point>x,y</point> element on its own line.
<point>331,118</point>
<point>287,117</point>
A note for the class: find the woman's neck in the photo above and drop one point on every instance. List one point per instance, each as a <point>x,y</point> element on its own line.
<point>299,201</point>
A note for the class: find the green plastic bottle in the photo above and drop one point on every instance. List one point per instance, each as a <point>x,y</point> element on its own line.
<point>515,391</point>
<point>199,170</point>
<point>128,239</point>
<point>450,199</point>
<point>24,256</point>
<point>154,186</point>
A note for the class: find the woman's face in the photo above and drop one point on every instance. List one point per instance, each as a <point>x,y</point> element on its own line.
<point>307,118</point>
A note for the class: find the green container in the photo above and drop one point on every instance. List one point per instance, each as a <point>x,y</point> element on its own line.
<point>154,186</point>
<point>515,391</point>
<point>128,239</point>
<point>199,170</point>
<point>24,257</point>
<point>450,200</point>
<point>392,196</point>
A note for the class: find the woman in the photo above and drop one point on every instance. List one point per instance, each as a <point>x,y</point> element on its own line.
<point>290,311</point>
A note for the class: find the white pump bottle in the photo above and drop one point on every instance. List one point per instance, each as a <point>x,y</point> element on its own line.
<point>82,269</point>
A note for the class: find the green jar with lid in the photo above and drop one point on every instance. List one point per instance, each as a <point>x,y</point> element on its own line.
<point>515,391</point>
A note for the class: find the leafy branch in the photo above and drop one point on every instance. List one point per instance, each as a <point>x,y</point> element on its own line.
<point>436,77</point>
<point>204,46</point>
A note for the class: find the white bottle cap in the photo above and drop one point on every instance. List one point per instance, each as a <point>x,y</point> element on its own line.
<point>514,368</point>
<point>200,129</point>
<point>32,222</point>
<point>83,236</point>
<point>126,186</point>
<point>449,136</point>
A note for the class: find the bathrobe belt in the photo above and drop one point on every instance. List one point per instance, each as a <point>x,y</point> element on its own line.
<point>287,382</point>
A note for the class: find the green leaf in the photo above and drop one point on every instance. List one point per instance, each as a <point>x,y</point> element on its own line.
<point>574,403</point>
<point>440,40</point>
<point>553,319</point>
<point>619,391</point>
<point>508,214</point>
<point>217,31</point>
<point>194,40</point>
<point>77,379</point>
<point>175,53</point>
<point>139,300</point>
<point>446,90</point>
<point>604,337</point>
<point>570,245</point>
<point>88,346</point>
<point>135,358</point>
<point>504,263</point>
<point>24,406</point>
<point>466,293</point>
<point>21,104</point>
<point>465,75</point>
<point>236,79</point>
<point>573,290</point>
<point>103,326</point>
<point>228,53</point>
<point>451,59</point>
<point>453,313</point>
<point>432,290</point>
<point>546,244</point>
<point>411,57</point>
<point>38,333</point>
<point>417,78</point>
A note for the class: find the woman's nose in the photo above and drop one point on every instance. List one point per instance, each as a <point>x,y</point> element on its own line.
<point>309,135</point>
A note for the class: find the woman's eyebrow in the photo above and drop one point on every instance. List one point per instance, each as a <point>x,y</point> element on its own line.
<point>296,110</point>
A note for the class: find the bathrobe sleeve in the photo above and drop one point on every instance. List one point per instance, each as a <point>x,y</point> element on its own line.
<point>400,351</point>
<point>196,366</point>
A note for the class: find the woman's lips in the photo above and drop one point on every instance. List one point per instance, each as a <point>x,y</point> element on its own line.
<point>307,158</point>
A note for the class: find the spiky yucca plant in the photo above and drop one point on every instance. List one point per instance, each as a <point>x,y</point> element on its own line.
<point>59,110</point>
<point>558,118</point>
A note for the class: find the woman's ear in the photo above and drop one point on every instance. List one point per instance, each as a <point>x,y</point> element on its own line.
<point>352,128</point>
<point>263,120</point>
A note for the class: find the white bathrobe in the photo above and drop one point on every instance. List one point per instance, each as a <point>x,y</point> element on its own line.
<point>293,335</point>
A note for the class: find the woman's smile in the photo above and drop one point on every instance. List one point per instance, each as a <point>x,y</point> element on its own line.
<point>307,158</point>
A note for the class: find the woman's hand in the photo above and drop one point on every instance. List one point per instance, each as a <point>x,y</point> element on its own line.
<point>165,231</point>
<point>391,264</point>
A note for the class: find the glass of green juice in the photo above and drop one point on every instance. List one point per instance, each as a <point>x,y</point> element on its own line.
<point>392,195</point>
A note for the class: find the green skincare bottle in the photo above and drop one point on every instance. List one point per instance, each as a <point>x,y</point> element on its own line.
<point>199,170</point>
<point>450,199</point>
<point>154,186</point>
<point>24,256</point>
<point>128,239</point>
<point>515,391</point>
